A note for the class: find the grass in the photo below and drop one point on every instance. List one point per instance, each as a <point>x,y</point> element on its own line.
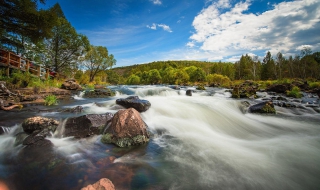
<point>50,100</point>
<point>295,92</point>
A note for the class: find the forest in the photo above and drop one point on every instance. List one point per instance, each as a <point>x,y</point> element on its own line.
<point>305,66</point>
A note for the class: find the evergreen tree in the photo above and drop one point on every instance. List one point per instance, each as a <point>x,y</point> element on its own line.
<point>21,23</point>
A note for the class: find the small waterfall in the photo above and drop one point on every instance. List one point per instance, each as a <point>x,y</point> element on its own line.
<point>80,96</point>
<point>5,130</point>
<point>60,129</point>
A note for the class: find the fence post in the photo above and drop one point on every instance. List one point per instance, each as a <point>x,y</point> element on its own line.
<point>8,64</point>
<point>39,70</point>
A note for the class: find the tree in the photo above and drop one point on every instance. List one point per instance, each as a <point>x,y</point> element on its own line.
<point>65,47</point>
<point>268,67</point>
<point>96,60</point>
<point>196,74</point>
<point>22,23</point>
<point>182,77</point>
<point>168,75</point>
<point>305,54</point>
<point>133,80</point>
<point>154,76</point>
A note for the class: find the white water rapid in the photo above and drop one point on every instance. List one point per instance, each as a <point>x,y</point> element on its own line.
<point>205,141</point>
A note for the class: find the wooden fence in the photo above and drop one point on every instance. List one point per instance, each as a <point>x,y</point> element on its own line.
<point>11,60</point>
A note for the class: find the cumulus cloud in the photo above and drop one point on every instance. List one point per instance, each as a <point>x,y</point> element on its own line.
<point>156,2</point>
<point>230,29</point>
<point>163,26</point>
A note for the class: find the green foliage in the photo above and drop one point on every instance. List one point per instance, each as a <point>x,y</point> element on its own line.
<point>268,109</point>
<point>313,85</point>
<point>50,100</point>
<point>182,77</point>
<point>65,47</point>
<point>89,86</point>
<point>201,87</point>
<point>97,60</point>
<point>133,80</point>
<point>154,77</point>
<point>295,92</point>
<point>21,79</point>
<point>106,138</point>
<point>219,80</point>
<point>22,23</point>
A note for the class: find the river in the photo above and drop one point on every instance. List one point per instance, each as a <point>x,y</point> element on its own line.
<point>203,141</point>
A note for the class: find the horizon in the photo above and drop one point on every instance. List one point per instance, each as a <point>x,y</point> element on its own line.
<point>145,31</point>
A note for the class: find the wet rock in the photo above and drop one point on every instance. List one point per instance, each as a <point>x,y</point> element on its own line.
<point>189,92</point>
<point>86,125</point>
<point>279,88</point>
<point>244,105</point>
<point>20,137</point>
<point>99,93</point>
<point>71,84</point>
<point>77,109</point>
<point>39,123</point>
<point>134,102</point>
<point>102,184</point>
<point>127,129</point>
<point>37,139</point>
<point>263,107</point>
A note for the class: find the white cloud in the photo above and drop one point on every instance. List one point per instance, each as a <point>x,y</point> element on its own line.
<point>190,44</point>
<point>153,26</point>
<point>163,26</point>
<point>156,2</point>
<point>228,30</point>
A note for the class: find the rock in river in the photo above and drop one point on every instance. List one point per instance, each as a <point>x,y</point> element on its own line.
<point>102,184</point>
<point>263,107</point>
<point>127,128</point>
<point>86,125</point>
<point>39,123</point>
<point>134,102</point>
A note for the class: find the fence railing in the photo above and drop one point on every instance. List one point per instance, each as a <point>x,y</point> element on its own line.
<point>11,60</point>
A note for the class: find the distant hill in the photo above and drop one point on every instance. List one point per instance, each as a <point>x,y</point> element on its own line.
<point>127,70</point>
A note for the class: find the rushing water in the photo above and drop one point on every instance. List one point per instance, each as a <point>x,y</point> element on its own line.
<point>204,141</point>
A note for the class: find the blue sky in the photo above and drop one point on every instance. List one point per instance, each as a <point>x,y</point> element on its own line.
<point>142,31</point>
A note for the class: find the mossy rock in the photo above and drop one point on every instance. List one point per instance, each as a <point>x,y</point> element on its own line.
<point>201,87</point>
<point>263,107</point>
<point>124,142</point>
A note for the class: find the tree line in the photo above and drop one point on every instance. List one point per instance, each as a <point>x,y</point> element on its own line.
<point>305,66</point>
<point>48,38</point>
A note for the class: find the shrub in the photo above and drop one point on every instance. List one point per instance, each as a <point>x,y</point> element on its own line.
<point>218,79</point>
<point>313,85</point>
<point>51,100</point>
<point>295,92</point>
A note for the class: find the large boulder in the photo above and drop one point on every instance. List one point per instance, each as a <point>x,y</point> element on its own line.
<point>39,123</point>
<point>71,84</point>
<point>127,128</point>
<point>134,102</point>
<point>263,107</point>
<point>86,125</point>
<point>98,93</point>
<point>102,184</point>
<point>279,88</point>
<point>37,140</point>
